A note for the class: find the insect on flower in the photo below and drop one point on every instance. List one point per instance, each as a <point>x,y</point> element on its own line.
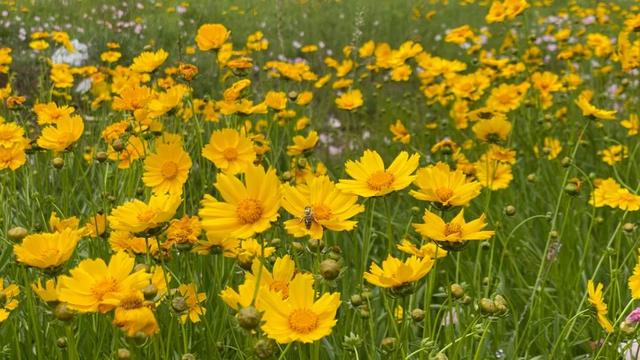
<point>308,217</point>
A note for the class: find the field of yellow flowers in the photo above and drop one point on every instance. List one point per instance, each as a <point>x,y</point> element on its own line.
<point>302,179</point>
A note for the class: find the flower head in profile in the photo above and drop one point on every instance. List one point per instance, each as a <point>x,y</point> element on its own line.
<point>634,280</point>
<point>595,298</point>
<point>299,317</point>
<point>47,250</point>
<point>371,178</point>
<point>59,137</point>
<point>167,169</point>
<point>192,300</point>
<point>137,216</point>
<point>50,113</point>
<point>92,285</point>
<point>350,100</point>
<point>302,144</point>
<point>584,103</point>
<point>455,231</point>
<point>439,184</point>
<point>492,130</point>
<point>247,208</point>
<point>47,292</point>
<point>230,151</point>
<point>133,314</point>
<point>148,61</point>
<point>211,36</point>
<point>427,250</point>
<point>317,206</point>
<point>400,132</point>
<point>396,273</point>
<point>10,294</point>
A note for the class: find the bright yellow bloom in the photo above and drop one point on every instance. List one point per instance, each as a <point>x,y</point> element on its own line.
<point>276,100</point>
<point>167,101</point>
<point>137,216</point>
<point>400,132</point>
<point>134,149</point>
<point>429,249</point>
<point>242,298</point>
<point>167,169</point>
<point>329,208</point>
<point>632,125</point>
<point>93,283</point>
<point>110,56</point>
<point>11,135</point>
<point>211,36</point>
<point>302,144</point>
<point>634,280</point>
<point>350,100</point>
<point>217,245</point>
<point>47,250</point>
<point>47,293</point>
<point>455,231</point>
<point>183,232</point>
<point>66,132</point>
<point>231,151</point>
<point>133,314</point>
<point>396,274</point>
<point>299,317</point>
<point>372,179</point>
<point>126,241</point>
<point>595,298</point>
<point>10,303</point>
<point>193,300</point>
<point>614,154</point>
<point>584,103</point>
<point>247,209</point>
<point>250,249</point>
<point>148,61</point>
<point>493,174</point>
<point>492,130</point>
<point>437,183</point>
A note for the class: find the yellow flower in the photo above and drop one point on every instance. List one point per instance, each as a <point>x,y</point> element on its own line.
<point>455,231</point>
<point>634,280</point>
<point>397,274</point>
<point>57,224</point>
<point>632,125</point>
<point>11,135</point>
<point>437,183</point>
<point>137,216</point>
<point>47,293</point>
<point>429,249</point>
<point>110,56</point>
<point>595,298</point>
<point>605,193</point>
<point>66,132</point>
<point>126,241</point>
<point>167,101</point>
<point>276,100</point>
<point>250,249</point>
<point>148,61</point>
<point>493,174</point>
<point>614,154</point>
<point>184,231</point>
<point>193,300</point>
<point>211,36</point>
<point>372,179</point>
<point>96,225</point>
<point>47,250</point>
<point>92,283</point>
<point>133,314</point>
<point>13,157</point>
<point>231,151</point>
<point>318,206</point>
<point>284,271</point>
<point>242,298</point>
<point>167,169</point>
<point>584,103</point>
<point>217,245</point>
<point>302,144</point>
<point>399,132</point>
<point>350,100</point>
<point>299,317</point>
<point>247,209</point>
<point>10,303</point>
<point>492,130</point>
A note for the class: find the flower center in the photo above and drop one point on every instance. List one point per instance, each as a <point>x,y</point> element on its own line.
<point>444,194</point>
<point>169,170</point>
<point>380,180</point>
<point>281,287</point>
<point>303,321</point>
<point>249,211</point>
<point>321,212</point>
<point>147,215</point>
<point>230,154</point>
<point>104,287</point>
<point>451,229</point>
<point>131,302</point>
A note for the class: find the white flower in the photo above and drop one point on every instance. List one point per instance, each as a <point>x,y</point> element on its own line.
<point>76,58</point>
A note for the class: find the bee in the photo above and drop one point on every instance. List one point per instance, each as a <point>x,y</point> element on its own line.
<point>308,217</point>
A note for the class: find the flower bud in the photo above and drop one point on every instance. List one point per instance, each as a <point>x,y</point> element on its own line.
<point>118,145</point>
<point>315,245</point>
<point>487,306</point>
<point>101,156</point>
<point>510,210</point>
<point>179,304</point>
<point>249,318</point>
<point>629,228</point>
<point>417,315</point>
<point>150,291</point>
<point>61,342</point>
<point>188,356</point>
<point>388,343</point>
<point>123,354</point>
<point>57,162</point>
<point>264,348</point>
<point>457,291</point>
<point>356,300</point>
<point>62,312</point>
<point>329,269</point>
<point>501,304</point>
<point>572,189</point>
<point>17,233</point>
<point>627,328</point>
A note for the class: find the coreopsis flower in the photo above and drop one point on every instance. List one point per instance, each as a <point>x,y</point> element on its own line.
<point>632,125</point>
<point>350,100</point>
<point>594,293</point>
<point>251,249</point>
<point>278,281</point>
<point>302,144</point>
<point>493,174</point>
<point>59,137</point>
<point>92,283</point>
<point>370,178</point>
<point>133,313</point>
<point>497,13</point>
<point>211,36</point>
<point>110,56</point>
<point>247,208</point>
<point>130,243</point>
<point>439,184</point>
<point>47,250</point>
<point>552,148</point>
<point>614,154</point>
<point>148,61</point>
<point>133,98</point>
<point>13,157</point>
<point>299,317</point>
<point>453,232</point>
<point>57,224</point>
<point>96,225</point>
<point>167,169</point>
<point>47,292</point>
<point>507,97</point>
<point>167,101</point>
<point>61,76</point>
<point>634,280</point>
<point>605,193</point>
<point>133,150</point>
<point>231,151</point>
<point>584,103</point>
<point>317,206</point>
<point>400,132</point>
<point>492,130</point>
<point>427,250</point>
<point>9,294</point>
<point>217,245</point>
<point>397,274</point>
<point>276,100</point>
<point>192,299</point>
<point>242,298</point>
<point>183,232</point>
<point>137,216</point>
<point>11,135</point>
<point>304,98</point>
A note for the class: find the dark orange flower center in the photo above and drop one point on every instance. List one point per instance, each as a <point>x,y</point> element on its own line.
<point>380,180</point>
<point>169,170</point>
<point>280,286</point>
<point>321,212</point>
<point>303,321</point>
<point>230,154</point>
<point>444,194</point>
<point>451,229</point>
<point>104,287</point>
<point>249,211</point>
